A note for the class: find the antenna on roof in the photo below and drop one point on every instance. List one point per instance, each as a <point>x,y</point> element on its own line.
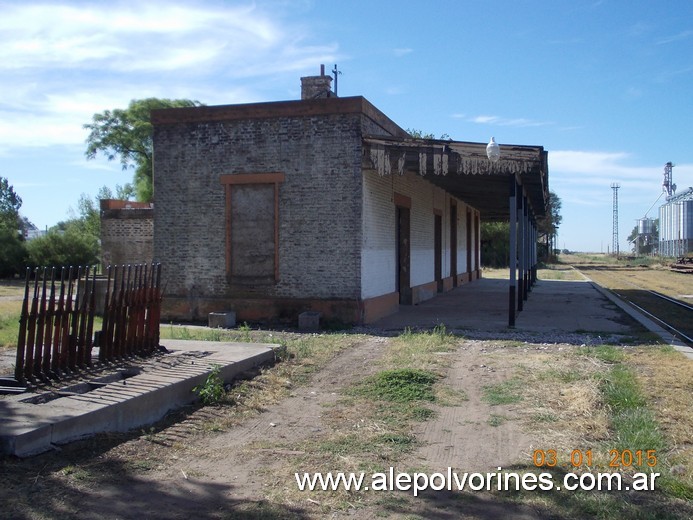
<point>336,72</point>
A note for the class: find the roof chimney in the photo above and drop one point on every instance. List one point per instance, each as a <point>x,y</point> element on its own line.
<point>315,87</point>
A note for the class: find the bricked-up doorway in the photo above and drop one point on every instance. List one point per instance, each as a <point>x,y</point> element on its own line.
<point>453,242</point>
<point>438,250</point>
<point>252,227</point>
<point>404,255</point>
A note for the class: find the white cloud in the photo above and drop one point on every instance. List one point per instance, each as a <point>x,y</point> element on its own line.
<point>402,52</point>
<point>583,168</point>
<point>503,121</point>
<point>62,63</point>
<point>683,35</point>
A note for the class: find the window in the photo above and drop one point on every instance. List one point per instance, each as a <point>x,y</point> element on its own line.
<point>252,227</point>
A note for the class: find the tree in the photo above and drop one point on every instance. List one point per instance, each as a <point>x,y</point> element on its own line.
<point>418,134</point>
<point>12,252</point>
<point>10,203</point>
<point>548,225</point>
<point>644,244</point>
<point>495,244</point>
<point>63,248</point>
<point>126,134</point>
<point>74,241</point>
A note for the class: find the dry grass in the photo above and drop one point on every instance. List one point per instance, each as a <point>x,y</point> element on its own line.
<point>666,379</point>
<point>562,403</point>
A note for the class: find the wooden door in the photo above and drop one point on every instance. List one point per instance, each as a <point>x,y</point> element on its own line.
<point>403,256</point>
<point>453,243</point>
<point>438,251</point>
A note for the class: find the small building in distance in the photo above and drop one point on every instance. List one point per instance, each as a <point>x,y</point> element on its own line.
<point>127,232</point>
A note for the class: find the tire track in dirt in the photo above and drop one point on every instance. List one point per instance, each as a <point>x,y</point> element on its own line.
<point>465,437</point>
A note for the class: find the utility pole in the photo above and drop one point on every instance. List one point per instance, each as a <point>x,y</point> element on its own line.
<point>614,246</point>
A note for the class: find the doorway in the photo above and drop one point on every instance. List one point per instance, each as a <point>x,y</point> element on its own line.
<point>469,245</point>
<point>438,251</point>
<point>404,256</point>
<point>453,242</point>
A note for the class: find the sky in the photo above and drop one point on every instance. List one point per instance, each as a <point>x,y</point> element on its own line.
<point>605,86</point>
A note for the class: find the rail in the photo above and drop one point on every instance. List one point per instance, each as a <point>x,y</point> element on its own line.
<point>56,326</point>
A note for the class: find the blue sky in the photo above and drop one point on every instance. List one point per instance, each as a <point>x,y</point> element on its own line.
<point>605,86</point>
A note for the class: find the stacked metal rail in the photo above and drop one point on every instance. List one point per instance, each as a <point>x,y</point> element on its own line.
<point>56,326</point>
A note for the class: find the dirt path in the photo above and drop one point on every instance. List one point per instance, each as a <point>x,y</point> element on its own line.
<point>231,470</point>
<point>235,470</point>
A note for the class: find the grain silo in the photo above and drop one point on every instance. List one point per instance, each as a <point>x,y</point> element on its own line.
<point>676,225</point>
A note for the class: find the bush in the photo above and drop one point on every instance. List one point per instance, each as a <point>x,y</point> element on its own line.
<point>495,244</point>
<point>12,253</point>
<point>58,248</point>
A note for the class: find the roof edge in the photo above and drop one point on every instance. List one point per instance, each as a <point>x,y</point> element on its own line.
<point>266,110</point>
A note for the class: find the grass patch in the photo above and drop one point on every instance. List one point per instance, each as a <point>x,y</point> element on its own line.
<point>605,353</point>
<point>9,323</point>
<point>634,425</point>
<point>507,392</point>
<point>496,420</point>
<point>425,350</point>
<point>402,385</point>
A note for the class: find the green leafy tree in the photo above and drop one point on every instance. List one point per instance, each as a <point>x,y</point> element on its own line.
<point>644,245</point>
<point>12,252</point>
<point>63,248</point>
<point>495,236</point>
<point>418,134</point>
<point>10,203</point>
<point>74,241</point>
<point>548,225</point>
<point>126,134</point>
<point>495,244</point>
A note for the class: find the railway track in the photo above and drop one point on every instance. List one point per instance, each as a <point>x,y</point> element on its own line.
<point>671,313</point>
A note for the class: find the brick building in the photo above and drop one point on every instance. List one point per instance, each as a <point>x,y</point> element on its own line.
<point>324,204</point>
<point>127,232</point>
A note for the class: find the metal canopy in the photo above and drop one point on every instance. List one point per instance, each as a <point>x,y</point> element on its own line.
<point>463,170</point>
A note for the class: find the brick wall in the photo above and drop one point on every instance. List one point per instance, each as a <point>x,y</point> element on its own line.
<point>319,204</point>
<point>127,232</point>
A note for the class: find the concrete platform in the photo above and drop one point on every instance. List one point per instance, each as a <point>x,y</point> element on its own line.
<point>123,399</point>
<point>565,306</point>
<point>553,306</point>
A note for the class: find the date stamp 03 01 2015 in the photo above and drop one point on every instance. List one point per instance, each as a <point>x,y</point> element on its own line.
<point>579,458</point>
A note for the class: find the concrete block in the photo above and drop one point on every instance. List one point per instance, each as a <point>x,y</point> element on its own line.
<point>309,320</point>
<point>222,320</point>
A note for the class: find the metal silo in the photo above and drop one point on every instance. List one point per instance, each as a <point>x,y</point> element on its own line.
<point>676,225</point>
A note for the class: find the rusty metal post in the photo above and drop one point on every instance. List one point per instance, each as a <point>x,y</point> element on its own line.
<point>19,374</point>
<point>141,309</point>
<point>58,338</point>
<point>104,343</point>
<point>40,323</point>
<point>48,329</point>
<point>89,339</point>
<point>67,343</point>
<point>159,295</point>
<point>74,323</point>
<point>131,320</point>
<point>113,352</point>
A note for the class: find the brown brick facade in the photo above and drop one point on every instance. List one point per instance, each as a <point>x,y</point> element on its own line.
<point>127,232</point>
